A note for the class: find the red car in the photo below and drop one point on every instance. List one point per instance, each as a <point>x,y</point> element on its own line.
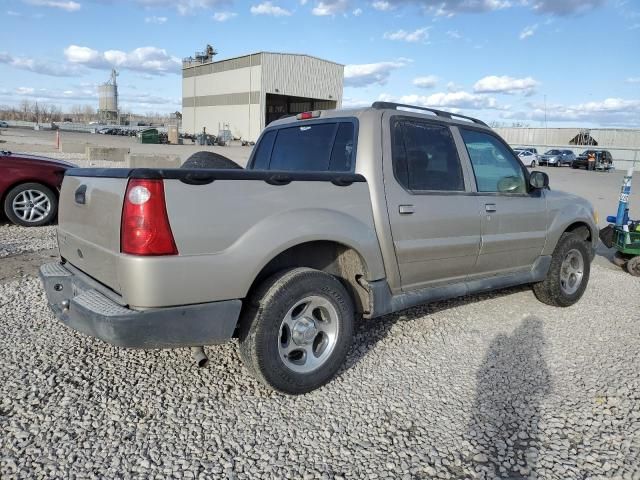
<point>29,187</point>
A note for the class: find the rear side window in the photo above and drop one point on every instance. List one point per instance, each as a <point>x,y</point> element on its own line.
<point>263,153</point>
<point>312,147</point>
<point>425,157</point>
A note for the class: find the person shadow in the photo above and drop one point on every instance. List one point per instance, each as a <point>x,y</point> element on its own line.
<point>511,385</point>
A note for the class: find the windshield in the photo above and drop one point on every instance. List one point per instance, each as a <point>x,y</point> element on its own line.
<point>553,152</point>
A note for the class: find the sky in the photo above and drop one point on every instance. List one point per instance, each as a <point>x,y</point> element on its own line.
<point>504,61</point>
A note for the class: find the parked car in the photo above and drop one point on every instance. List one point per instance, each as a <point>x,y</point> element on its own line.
<point>557,158</point>
<point>530,149</point>
<point>604,160</point>
<point>527,157</point>
<point>340,213</point>
<point>29,187</point>
<point>3,124</point>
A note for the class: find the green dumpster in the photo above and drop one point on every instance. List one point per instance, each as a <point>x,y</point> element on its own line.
<point>149,135</point>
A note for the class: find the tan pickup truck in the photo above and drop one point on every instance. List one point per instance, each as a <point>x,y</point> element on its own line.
<point>339,215</point>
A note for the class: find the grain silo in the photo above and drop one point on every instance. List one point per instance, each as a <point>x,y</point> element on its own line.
<point>108,98</point>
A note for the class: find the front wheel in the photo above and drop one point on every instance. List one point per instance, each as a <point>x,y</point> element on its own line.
<point>568,274</point>
<point>30,205</point>
<point>296,330</point>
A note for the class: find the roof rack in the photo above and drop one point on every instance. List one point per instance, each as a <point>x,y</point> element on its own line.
<point>439,113</point>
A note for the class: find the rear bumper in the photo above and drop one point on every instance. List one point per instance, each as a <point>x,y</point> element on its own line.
<point>87,307</point>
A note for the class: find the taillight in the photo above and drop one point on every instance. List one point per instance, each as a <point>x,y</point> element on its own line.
<point>145,228</point>
<point>308,115</point>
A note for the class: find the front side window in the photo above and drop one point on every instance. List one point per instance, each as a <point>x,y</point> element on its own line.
<point>424,157</point>
<point>311,147</point>
<point>495,167</point>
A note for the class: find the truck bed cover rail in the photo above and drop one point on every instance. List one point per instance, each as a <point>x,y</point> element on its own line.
<point>205,176</point>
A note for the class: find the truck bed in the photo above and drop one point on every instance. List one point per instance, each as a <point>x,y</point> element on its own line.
<point>227,224</point>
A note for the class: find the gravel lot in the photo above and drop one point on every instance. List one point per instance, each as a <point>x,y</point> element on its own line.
<point>482,387</point>
<point>490,386</point>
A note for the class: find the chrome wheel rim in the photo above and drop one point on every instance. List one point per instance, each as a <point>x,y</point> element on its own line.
<point>308,334</point>
<point>571,272</point>
<point>31,206</point>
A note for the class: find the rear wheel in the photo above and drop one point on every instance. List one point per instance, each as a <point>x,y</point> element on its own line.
<point>633,266</point>
<point>30,205</point>
<point>533,164</point>
<point>296,330</point>
<point>568,274</point>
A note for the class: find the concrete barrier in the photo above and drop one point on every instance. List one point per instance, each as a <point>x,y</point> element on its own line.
<point>107,154</point>
<point>154,160</point>
<point>70,147</point>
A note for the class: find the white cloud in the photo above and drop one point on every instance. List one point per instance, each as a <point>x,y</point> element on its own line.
<point>224,16</point>
<point>415,36</point>
<point>505,84</point>
<point>566,7</point>
<point>447,100</point>
<point>528,31</point>
<point>68,6</point>
<point>11,13</point>
<point>429,81</point>
<point>144,59</point>
<point>632,80</point>
<point>454,87</point>
<point>448,8</point>
<point>454,34</point>
<point>156,20</point>
<point>184,7</point>
<point>357,12</point>
<point>371,73</point>
<point>382,5</point>
<point>348,102</point>
<point>610,111</point>
<point>268,8</point>
<point>43,67</point>
<point>328,8</point>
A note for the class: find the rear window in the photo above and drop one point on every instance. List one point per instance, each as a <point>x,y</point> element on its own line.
<point>315,147</point>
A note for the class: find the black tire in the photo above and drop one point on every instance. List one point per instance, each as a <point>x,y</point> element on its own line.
<point>262,331</point>
<point>552,290</point>
<point>575,167</point>
<point>42,218</point>
<point>213,160</point>
<point>620,259</point>
<point>533,164</point>
<point>633,266</point>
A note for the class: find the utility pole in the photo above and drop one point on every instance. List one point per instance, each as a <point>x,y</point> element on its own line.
<point>545,121</point>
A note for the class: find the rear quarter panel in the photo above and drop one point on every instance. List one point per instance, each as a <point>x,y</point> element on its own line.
<point>16,171</point>
<point>564,210</point>
<point>227,231</point>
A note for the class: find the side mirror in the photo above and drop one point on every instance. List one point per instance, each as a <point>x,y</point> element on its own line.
<point>539,180</point>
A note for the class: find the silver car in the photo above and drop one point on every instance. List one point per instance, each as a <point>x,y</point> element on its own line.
<point>557,158</point>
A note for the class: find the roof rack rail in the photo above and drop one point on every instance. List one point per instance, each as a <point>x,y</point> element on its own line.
<point>439,113</point>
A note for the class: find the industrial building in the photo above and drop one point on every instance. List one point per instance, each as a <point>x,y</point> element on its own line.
<point>244,94</point>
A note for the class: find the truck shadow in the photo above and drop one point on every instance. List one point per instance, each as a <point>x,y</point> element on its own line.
<point>510,387</point>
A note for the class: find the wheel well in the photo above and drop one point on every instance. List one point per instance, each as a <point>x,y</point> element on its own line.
<point>581,229</point>
<point>333,258</point>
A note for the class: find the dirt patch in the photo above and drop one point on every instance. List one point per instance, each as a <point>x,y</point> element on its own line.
<point>25,264</point>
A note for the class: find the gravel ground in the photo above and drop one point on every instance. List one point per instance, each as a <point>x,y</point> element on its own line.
<point>15,240</point>
<point>482,387</point>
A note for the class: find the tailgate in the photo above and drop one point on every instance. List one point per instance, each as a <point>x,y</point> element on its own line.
<point>89,225</point>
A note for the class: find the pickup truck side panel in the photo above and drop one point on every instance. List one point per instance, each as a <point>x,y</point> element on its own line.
<point>226,241</point>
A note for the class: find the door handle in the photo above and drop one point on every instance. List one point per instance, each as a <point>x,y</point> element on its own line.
<point>406,209</point>
<point>490,207</point>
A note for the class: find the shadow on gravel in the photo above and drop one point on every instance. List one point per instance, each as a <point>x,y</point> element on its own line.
<point>511,384</point>
<point>369,332</point>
